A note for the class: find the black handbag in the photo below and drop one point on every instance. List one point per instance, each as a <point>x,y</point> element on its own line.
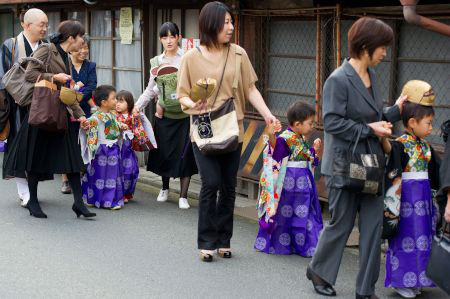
<point>439,262</point>
<point>359,172</point>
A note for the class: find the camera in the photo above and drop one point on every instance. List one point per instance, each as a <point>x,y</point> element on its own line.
<point>204,126</point>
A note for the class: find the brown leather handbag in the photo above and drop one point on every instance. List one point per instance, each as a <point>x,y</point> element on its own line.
<point>47,112</point>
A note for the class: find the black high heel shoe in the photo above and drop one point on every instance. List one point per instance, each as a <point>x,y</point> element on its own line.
<point>35,209</point>
<point>82,211</point>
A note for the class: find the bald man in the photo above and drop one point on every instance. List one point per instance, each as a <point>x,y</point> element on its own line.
<point>35,25</point>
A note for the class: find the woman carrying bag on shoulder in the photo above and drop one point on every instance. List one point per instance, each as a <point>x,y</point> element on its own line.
<point>354,120</point>
<point>227,76</point>
<point>38,153</point>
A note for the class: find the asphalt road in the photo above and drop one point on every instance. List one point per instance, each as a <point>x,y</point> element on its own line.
<point>146,250</point>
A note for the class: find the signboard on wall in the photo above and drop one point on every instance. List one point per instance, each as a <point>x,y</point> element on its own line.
<point>126,25</point>
<point>189,43</point>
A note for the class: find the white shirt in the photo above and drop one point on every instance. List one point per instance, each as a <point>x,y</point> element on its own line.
<point>152,89</point>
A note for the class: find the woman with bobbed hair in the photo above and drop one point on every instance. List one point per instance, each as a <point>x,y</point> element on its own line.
<point>352,105</point>
<point>37,154</point>
<point>215,59</point>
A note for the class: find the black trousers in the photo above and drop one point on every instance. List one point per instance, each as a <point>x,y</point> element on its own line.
<point>217,197</point>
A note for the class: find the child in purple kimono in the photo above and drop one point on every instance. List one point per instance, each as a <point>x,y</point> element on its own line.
<point>103,182</point>
<point>292,224</point>
<point>413,161</point>
<point>130,164</point>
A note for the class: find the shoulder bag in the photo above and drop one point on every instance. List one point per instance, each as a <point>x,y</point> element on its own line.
<point>217,132</point>
<point>47,112</point>
<point>14,80</point>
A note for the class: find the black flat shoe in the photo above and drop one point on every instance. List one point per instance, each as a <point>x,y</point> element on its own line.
<point>82,210</point>
<point>226,254</point>
<point>373,296</point>
<point>206,257</point>
<point>35,209</point>
<point>320,286</point>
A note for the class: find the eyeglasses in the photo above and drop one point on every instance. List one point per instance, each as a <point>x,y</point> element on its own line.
<point>42,25</point>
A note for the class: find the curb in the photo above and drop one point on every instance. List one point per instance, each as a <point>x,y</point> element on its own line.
<point>151,184</point>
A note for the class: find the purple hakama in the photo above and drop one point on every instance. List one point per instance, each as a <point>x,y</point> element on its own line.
<point>298,220</point>
<point>130,168</point>
<point>409,250</point>
<point>102,183</point>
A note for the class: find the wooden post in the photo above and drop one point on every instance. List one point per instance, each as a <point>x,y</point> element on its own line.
<point>393,80</point>
<point>318,57</point>
<point>338,35</point>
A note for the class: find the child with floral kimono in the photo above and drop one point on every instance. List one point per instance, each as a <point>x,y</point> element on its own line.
<point>103,182</point>
<point>289,209</point>
<point>130,164</point>
<point>139,137</point>
<point>413,162</point>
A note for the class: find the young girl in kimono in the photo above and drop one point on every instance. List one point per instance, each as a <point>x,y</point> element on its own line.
<point>412,161</point>
<point>130,164</point>
<point>292,224</point>
<point>103,182</point>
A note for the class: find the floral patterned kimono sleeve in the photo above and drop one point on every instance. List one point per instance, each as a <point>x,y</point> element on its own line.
<point>89,140</point>
<point>272,177</point>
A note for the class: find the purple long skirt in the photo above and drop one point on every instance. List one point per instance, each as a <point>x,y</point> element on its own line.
<point>298,221</point>
<point>102,183</point>
<point>130,168</point>
<point>409,250</point>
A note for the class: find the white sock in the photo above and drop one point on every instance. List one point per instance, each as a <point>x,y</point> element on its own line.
<point>22,188</point>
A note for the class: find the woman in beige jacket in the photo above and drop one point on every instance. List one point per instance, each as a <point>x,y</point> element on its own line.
<point>37,154</point>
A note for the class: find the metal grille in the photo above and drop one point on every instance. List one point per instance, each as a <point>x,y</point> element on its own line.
<point>290,56</point>
<point>284,53</point>
<point>291,69</point>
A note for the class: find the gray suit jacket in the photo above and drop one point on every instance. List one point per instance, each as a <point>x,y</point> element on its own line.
<point>348,107</point>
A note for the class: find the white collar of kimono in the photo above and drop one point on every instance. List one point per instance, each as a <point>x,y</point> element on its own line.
<point>36,45</point>
<point>180,53</point>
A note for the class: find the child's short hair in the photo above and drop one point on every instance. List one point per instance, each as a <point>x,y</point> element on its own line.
<point>416,111</point>
<point>126,96</point>
<point>299,111</point>
<point>101,93</point>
